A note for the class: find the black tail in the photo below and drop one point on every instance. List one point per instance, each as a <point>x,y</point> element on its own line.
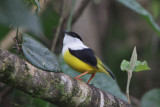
<point>109,71</point>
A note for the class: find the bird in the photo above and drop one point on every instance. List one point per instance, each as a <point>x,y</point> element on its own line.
<point>80,57</point>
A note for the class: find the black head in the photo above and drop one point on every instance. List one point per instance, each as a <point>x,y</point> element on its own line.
<point>73,34</point>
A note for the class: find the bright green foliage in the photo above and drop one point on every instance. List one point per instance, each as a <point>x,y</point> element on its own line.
<point>20,101</point>
<point>132,4</point>
<point>102,81</point>
<point>155,8</point>
<point>3,31</point>
<point>38,55</point>
<point>125,65</point>
<point>140,66</point>
<point>151,98</point>
<point>40,103</point>
<point>134,64</point>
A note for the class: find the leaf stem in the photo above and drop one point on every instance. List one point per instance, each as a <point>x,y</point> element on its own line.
<point>70,16</point>
<point>128,83</point>
<point>17,34</point>
<point>131,68</point>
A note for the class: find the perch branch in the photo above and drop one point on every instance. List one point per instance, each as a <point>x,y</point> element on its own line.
<point>57,88</point>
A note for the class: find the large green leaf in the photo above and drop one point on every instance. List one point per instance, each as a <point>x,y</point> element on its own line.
<point>39,55</point>
<point>15,12</point>
<point>151,98</point>
<point>3,31</point>
<point>22,99</point>
<point>132,4</point>
<point>102,81</point>
<point>40,103</point>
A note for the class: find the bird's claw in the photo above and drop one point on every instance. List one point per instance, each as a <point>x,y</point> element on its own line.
<point>91,85</point>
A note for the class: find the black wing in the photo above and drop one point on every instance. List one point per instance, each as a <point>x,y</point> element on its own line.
<point>86,55</point>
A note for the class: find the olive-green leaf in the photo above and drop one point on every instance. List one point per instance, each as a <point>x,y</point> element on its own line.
<point>139,66</point>
<point>125,65</point>
<point>38,55</point>
<point>151,98</point>
<point>132,4</point>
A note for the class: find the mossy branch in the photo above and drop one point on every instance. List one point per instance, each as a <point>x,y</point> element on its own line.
<point>57,88</point>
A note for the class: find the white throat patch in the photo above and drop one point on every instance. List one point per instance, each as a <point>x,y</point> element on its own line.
<point>72,43</point>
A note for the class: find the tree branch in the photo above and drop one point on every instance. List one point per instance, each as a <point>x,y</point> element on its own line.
<point>57,88</point>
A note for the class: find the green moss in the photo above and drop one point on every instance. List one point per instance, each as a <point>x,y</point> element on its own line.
<point>8,68</point>
<point>87,100</point>
<point>7,71</point>
<point>40,90</point>
<point>27,68</point>
<point>29,76</point>
<point>59,86</point>
<point>62,88</point>
<point>37,92</point>
<point>30,90</point>
<point>107,102</point>
<point>3,66</point>
<point>70,99</point>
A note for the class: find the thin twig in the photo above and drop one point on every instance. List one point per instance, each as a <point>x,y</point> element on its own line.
<point>128,83</point>
<point>59,26</point>
<point>17,33</point>
<point>80,10</point>
<point>130,70</point>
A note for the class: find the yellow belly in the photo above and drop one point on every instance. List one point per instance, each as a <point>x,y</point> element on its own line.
<point>77,64</point>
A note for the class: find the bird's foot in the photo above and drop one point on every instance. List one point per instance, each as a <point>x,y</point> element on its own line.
<point>92,85</point>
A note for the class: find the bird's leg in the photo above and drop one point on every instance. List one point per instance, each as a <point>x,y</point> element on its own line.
<point>91,77</point>
<point>81,75</point>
